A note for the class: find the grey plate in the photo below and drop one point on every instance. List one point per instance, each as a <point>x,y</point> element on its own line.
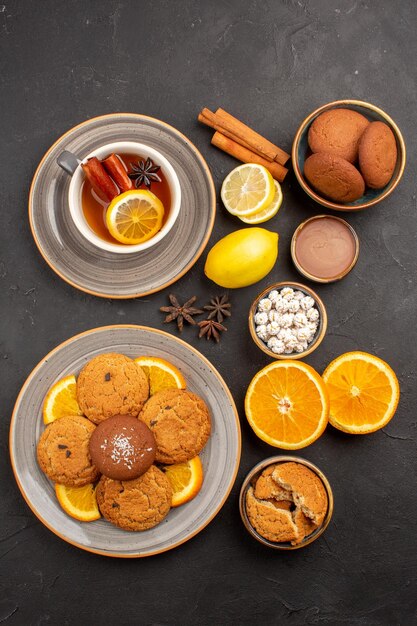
<point>108,274</point>
<point>220,457</point>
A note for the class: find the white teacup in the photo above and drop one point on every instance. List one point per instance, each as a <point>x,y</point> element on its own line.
<point>72,165</point>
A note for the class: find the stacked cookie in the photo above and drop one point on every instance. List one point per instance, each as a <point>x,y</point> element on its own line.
<point>120,437</point>
<point>286,503</point>
<point>350,153</point>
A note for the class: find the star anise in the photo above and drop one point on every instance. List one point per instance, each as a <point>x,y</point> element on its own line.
<point>180,312</point>
<point>219,308</point>
<point>145,173</point>
<point>211,328</point>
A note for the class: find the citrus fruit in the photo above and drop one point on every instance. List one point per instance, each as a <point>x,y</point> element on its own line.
<point>79,502</point>
<point>161,374</point>
<point>242,258</point>
<point>61,400</point>
<point>287,404</point>
<point>363,391</point>
<point>134,216</point>
<point>248,188</point>
<point>265,214</point>
<point>186,480</point>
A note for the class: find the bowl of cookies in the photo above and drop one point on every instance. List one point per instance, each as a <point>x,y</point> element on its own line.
<point>286,502</point>
<point>348,155</point>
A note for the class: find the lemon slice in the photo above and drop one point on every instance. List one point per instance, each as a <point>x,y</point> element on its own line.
<point>186,480</point>
<point>161,374</point>
<point>248,189</point>
<point>79,502</point>
<point>61,400</point>
<point>134,216</point>
<point>271,210</point>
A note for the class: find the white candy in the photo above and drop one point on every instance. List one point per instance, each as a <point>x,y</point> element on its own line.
<point>273,328</point>
<point>273,295</point>
<point>287,293</point>
<point>278,348</point>
<point>262,332</point>
<point>261,317</point>
<point>288,350</point>
<point>313,315</point>
<point>274,316</point>
<point>290,342</point>
<point>312,326</point>
<point>300,347</point>
<point>293,306</point>
<point>287,320</point>
<point>280,304</point>
<point>303,333</point>
<point>264,305</point>
<point>272,342</point>
<point>300,319</point>
<point>298,295</point>
<point>307,302</point>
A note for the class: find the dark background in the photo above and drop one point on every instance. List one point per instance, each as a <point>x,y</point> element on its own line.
<point>269,63</point>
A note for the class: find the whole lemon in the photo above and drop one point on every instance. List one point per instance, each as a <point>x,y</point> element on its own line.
<point>242,258</point>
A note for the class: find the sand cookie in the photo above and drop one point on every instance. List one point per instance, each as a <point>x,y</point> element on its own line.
<point>180,422</point>
<point>63,453</point>
<point>136,504</point>
<point>377,155</point>
<point>304,524</point>
<point>111,384</point>
<point>337,132</point>
<point>266,487</point>
<point>308,491</point>
<point>334,177</point>
<point>275,524</point>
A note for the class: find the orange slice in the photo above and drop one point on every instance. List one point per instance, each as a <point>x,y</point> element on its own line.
<point>79,502</point>
<point>186,480</point>
<point>364,392</point>
<point>287,404</point>
<point>161,374</point>
<point>61,400</point>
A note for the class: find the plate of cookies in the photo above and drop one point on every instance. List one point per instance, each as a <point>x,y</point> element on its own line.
<point>125,441</point>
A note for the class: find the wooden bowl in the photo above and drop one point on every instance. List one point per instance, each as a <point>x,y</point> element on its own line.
<point>251,478</point>
<point>300,151</point>
<point>321,330</point>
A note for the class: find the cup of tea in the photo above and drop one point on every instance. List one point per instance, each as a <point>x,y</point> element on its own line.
<point>88,209</point>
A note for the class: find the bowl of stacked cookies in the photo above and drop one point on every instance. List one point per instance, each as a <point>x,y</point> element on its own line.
<point>348,155</point>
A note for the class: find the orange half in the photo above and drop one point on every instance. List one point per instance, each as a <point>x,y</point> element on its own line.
<point>186,480</point>
<point>364,392</point>
<point>287,404</point>
<point>61,400</point>
<point>161,374</point>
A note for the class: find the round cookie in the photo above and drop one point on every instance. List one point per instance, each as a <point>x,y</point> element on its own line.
<point>337,132</point>
<point>122,447</point>
<point>136,504</point>
<point>377,155</point>
<point>334,177</point>
<point>111,384</point>
<point>180,422</point>
<point>63,453</point>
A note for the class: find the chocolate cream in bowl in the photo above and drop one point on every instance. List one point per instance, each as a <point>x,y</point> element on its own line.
<point>325,248</point>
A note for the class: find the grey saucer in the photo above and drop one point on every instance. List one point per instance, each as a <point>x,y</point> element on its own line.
<point>107,274</point>
<point>220,456</point>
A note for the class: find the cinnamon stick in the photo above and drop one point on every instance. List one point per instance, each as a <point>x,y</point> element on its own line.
<point>257,141</point>
<point>212,123</point>
<point>247,156</point>
<point>118,172</point>
<point>243,134</point>
<point>100,181</point>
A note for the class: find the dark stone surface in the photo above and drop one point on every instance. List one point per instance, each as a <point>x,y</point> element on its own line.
<point>270,63</point>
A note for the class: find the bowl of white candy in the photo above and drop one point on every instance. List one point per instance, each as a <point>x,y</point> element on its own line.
<point>287,321</point>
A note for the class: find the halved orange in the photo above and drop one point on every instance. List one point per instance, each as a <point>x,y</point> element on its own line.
<point>364,392</point>
<point>79,502</point>
<point>61,400</point>
<point>186,480</point>
<point>287,404</point>
<point>161,374</point>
